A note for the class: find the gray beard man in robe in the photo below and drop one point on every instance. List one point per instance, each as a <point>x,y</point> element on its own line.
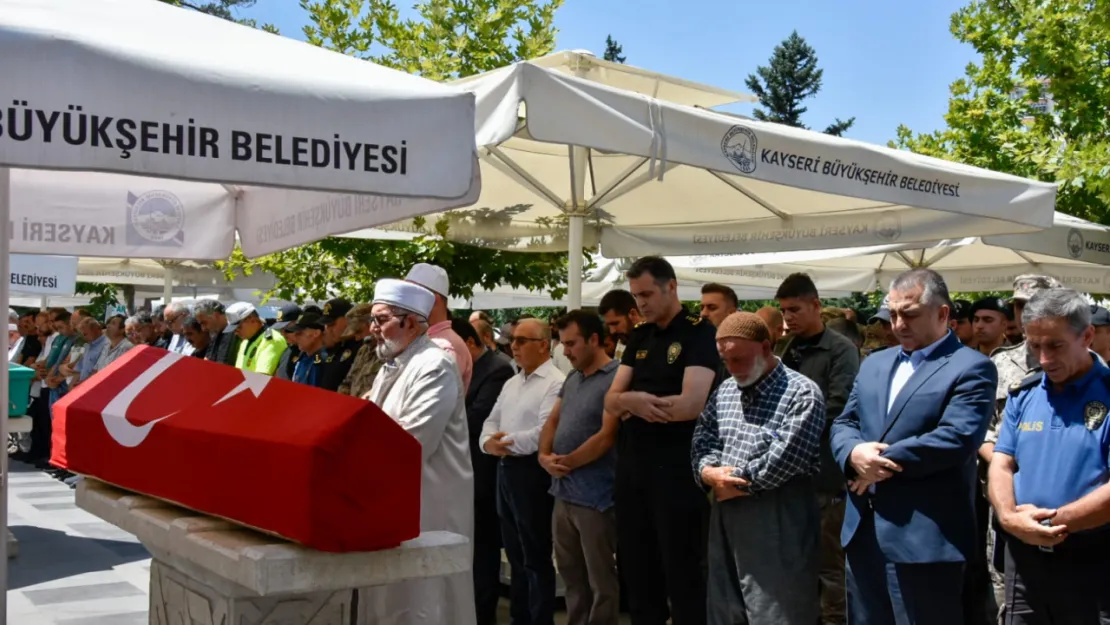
<point>419,386</point>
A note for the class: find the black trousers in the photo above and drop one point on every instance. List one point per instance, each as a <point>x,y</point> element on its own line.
<point>487,540</point>
<point>1068,586</point>
<point>979,605</point>
<point>662,523</point>
<point>525,509</point>
<point>41,426</point>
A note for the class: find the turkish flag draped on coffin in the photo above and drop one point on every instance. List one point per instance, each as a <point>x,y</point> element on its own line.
<point>329,471</point>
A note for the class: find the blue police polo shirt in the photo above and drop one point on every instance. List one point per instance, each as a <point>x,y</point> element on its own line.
<point>1059,439</point>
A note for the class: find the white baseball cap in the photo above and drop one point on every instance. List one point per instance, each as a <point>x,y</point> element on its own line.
<point>236,313</point>
<point>431,277</point>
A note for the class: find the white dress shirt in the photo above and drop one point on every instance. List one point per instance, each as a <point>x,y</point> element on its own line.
<point>523,407</point>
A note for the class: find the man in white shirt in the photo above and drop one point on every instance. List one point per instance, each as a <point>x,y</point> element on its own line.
<point>512,432</point>
<point>174,315</point>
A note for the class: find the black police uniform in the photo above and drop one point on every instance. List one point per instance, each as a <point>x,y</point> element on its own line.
<point>661,524</point>
<point>337,363</point>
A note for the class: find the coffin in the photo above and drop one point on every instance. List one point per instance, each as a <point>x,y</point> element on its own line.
<point>328,471</point>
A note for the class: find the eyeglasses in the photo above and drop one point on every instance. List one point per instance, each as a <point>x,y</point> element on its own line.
<point>381,320</point>
<point>521,340</point>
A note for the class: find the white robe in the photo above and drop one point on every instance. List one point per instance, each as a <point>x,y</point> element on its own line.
<point>422,390</point>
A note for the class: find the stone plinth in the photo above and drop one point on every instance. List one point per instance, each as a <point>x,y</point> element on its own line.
<point>208,571</point>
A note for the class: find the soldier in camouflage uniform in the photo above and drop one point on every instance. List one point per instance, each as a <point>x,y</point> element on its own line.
<point>1014,363</point>
<point>361,375</point>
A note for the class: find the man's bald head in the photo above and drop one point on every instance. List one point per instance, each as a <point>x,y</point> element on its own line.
<point>773,318</point>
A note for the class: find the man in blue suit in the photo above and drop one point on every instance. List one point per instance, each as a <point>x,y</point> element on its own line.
<point>907,441</point>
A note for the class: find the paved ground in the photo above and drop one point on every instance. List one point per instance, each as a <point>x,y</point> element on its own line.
<point>73,568</point>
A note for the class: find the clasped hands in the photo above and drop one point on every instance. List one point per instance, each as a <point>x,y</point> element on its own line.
<point>498,445</point>
<point>646,406</point>
<point>870,466</point>
<point>1026,523</point>
<point>725,485</point>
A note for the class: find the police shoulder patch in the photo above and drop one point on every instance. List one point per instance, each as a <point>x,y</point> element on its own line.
<point>346,354</point>
<point>268,334</point>
<point>694,319</point>
<point>1026,383</point>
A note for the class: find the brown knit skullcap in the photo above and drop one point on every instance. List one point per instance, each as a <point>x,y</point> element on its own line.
<point>744,325</point>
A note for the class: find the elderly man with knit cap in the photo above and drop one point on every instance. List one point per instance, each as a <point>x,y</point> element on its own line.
<point>756,448</point>
<point>434,278</point>
<point>420,388</point>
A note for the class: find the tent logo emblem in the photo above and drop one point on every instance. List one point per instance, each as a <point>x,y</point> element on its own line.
<point>888,227</point>
<point>155,218</point>
<point>739,146</point>
<point>1075,243</point>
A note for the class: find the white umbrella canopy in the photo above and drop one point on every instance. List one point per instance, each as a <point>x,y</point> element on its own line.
<point>139,88</point>
<point>182,274</point>
<point>584,162</point>
<point>1075,251</point>
<point>220,103</point>
<point>611,275</point>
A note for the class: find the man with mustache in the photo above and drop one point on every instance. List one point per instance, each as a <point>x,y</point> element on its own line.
<point>419,386</point>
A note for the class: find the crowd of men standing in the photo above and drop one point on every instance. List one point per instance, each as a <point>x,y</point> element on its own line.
<point>721,468</point>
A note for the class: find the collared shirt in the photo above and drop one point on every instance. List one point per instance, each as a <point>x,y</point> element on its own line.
<point>446,338</point>
<point>307,369</point>
<point>87,365</point>
<point>659,357</point>
<point>180,345</point>
<point>109,354</point>
<point>523,407</point>
<point>907,364</point>
<point>47,347</point>
<point>770,431</point>
<point>581,414</point>
<point>1059,438</point>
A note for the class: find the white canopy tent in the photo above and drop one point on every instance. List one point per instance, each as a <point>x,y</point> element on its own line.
<point>610,275</point>
<point>221,104</point>
<point>138,88</point>
<point>1075,251</point>
<point>570,158</point>
<point>171,276</point>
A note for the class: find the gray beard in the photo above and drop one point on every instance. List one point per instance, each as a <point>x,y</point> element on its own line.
<point>388,350</point>
<point>753,377</point>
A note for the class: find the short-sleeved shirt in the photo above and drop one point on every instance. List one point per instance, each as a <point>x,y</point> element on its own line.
<point>1059,439</point>
<point>659,358</point>
<point>581,405</point>
<point>337,364</point>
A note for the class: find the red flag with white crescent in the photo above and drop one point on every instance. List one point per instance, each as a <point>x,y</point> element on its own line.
<point>329,471</point>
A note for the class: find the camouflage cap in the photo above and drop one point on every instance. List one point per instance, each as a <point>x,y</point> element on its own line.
<point>1025,287</point>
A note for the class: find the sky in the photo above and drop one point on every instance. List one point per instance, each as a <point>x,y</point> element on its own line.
<point>886,63</point>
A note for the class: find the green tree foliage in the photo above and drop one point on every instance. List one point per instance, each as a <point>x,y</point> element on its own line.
<point>449,39</point>
<point>103,296</point>
<point>225,9</point>
<point>791,78</point>
<point>614,51</point>
<point>1029,50</point>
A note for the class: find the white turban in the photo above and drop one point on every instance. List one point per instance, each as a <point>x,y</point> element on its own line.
<point>407,295</point>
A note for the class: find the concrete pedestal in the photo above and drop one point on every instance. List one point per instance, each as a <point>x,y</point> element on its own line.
<point>208,571</point>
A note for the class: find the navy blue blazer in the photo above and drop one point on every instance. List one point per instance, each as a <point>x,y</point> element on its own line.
<point>926,513</point>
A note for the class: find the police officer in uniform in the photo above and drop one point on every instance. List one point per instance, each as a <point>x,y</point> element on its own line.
<point>1050,475</point>
<point>660,389</point>
<point>260,348</point>
<point>1014,363</point>
<point>340,346</point>
<point>286,315</point>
